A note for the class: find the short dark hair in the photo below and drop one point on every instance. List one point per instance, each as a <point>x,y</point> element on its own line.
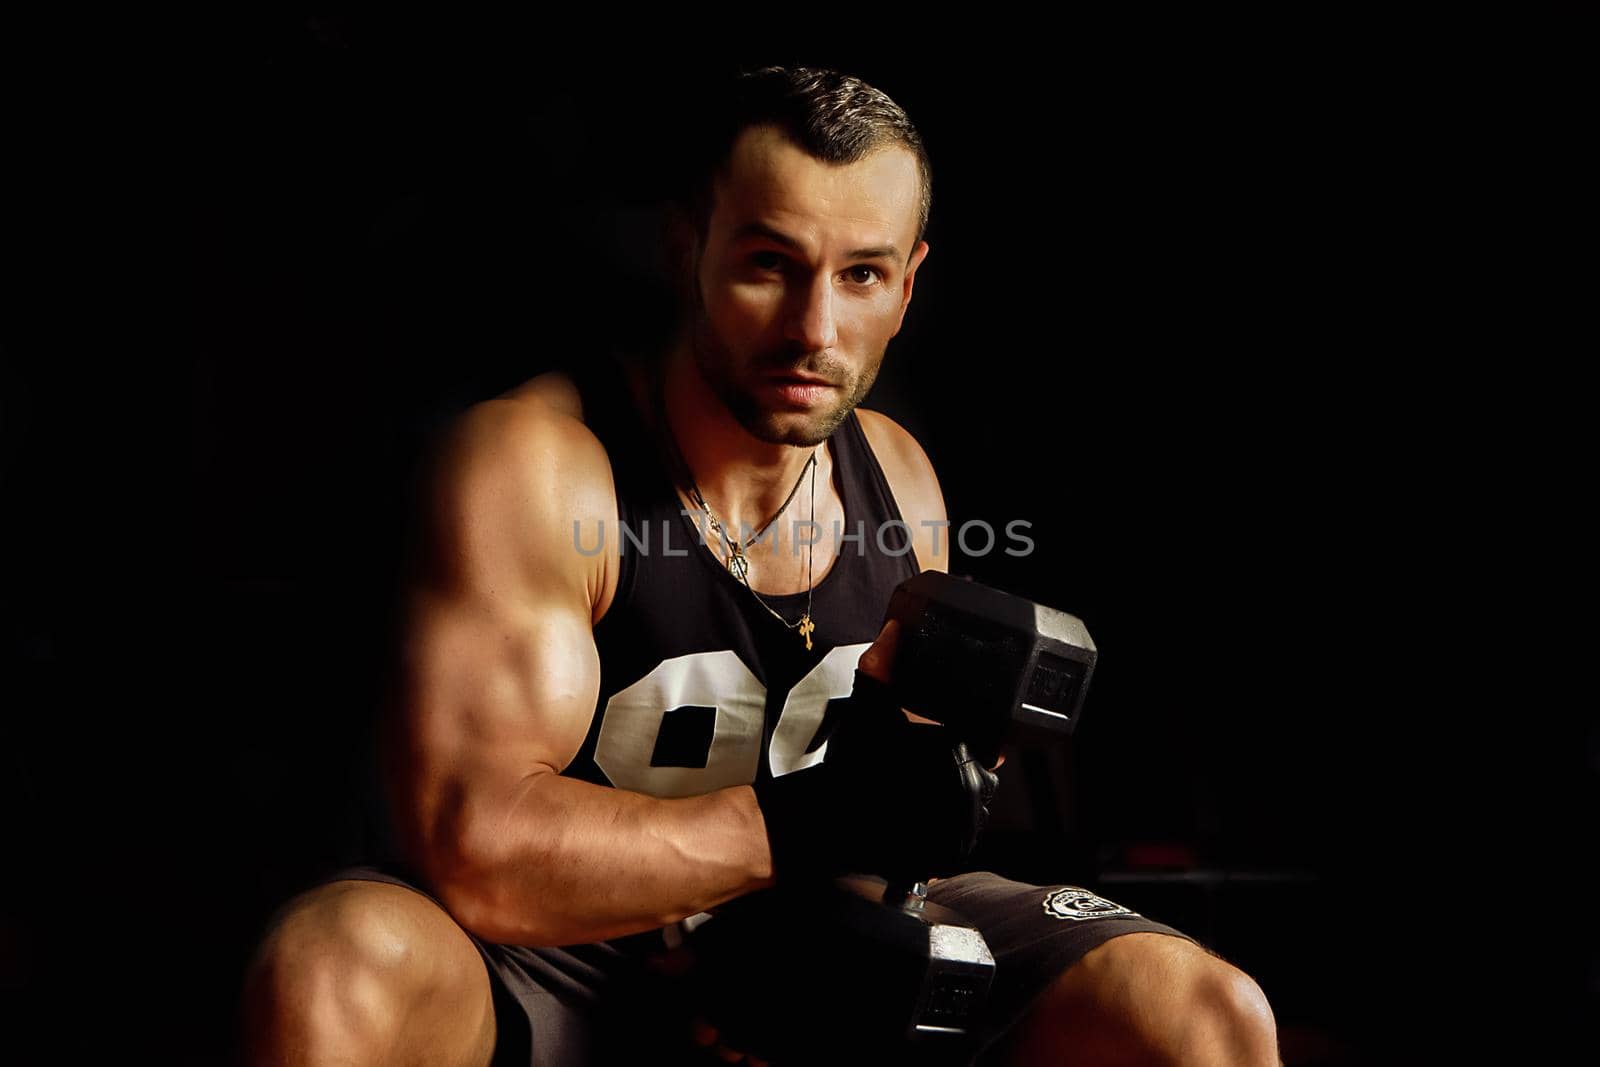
<point>835,117</point>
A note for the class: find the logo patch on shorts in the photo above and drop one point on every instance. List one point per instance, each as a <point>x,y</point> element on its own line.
<point>1076,904</point>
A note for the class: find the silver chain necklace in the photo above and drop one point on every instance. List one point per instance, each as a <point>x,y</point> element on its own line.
<point>742,571</point>
<point>738,563</point>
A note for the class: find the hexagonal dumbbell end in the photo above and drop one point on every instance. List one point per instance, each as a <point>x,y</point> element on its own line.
<point>998,669</point>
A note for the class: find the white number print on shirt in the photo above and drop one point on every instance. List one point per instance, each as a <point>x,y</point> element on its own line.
<point>714,697</point>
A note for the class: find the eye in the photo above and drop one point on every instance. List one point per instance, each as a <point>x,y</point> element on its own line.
<point>766,260</point>
<point>863,275</point>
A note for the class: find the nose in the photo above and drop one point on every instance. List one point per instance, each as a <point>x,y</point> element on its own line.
<point>811,322</point>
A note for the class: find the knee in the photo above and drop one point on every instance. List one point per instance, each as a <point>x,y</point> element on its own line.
<point>334,973</point>
<point>1156,999</point>
<point>334,935</point>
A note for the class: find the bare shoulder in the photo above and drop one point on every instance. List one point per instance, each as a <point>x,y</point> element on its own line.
<point>554,390</point>
<point>518,486</point>
<point>523,439</point>
<point>914,484</point>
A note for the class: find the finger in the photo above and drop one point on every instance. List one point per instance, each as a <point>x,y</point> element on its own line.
<point>877,661</point>
<point>729,1055</point>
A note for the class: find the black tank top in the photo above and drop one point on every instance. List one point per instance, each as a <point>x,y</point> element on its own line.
<point>700,687</point>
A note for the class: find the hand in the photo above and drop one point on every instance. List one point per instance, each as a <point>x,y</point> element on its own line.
<point>892,797</point>
<point>877,662</point>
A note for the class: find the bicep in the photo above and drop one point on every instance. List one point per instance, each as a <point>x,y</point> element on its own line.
<point>499,670</point>
<point>501,689</point>
<point>494,696</point>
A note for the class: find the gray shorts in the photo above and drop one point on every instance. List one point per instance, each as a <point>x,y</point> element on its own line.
<point>600,1004</point>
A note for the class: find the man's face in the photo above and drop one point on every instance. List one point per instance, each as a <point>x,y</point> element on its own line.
<point>804,275</point>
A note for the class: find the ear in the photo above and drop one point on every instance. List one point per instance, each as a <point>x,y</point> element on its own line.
<point>918,254</point>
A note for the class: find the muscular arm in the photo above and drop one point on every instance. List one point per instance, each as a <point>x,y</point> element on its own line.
<point>499,681</point>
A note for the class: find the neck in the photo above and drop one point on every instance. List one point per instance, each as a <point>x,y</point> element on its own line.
<point>743,479</point>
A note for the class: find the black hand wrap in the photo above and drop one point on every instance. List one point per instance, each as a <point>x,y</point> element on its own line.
<point>899,799</point>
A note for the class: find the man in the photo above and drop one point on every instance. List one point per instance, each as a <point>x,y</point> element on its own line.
<point>619,661</point>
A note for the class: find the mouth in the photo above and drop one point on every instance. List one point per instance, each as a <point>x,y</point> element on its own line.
<point>799,390</point>
<point>799,379</point>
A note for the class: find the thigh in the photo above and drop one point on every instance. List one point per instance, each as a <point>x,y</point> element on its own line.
<point>588,1003</point>
<point>1035,933</point>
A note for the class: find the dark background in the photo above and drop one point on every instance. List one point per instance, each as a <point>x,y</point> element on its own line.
<point>1155,322</point>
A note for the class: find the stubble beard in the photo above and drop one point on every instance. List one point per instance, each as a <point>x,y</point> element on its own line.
<point>721,370</point>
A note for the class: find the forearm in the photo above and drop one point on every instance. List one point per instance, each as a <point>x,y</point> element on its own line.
<point>565,861</point>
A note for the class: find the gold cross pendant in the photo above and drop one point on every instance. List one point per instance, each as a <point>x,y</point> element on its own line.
<point>806,626</point>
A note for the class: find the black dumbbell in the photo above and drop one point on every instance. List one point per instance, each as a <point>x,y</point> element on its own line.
<point>873,965</point>
<point>994,668</point>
